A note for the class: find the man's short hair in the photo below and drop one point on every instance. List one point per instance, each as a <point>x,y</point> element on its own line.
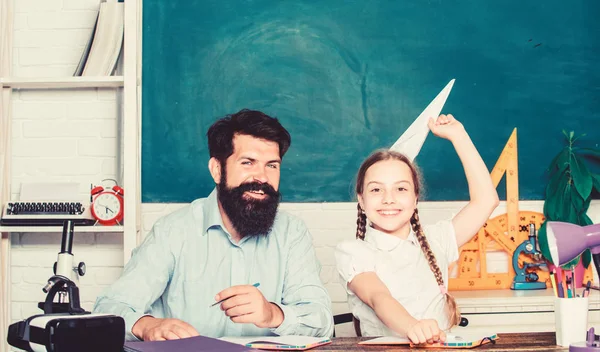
<point>246,122</point>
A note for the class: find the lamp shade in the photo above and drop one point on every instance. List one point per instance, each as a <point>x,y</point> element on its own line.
<point>565,241</point>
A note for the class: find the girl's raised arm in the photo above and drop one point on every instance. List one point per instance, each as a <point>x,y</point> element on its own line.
<point>483,195</point>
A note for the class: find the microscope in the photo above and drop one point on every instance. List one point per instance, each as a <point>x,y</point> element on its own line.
<point>65,326</point>
<point>65,279</point>
<point>524,278</point>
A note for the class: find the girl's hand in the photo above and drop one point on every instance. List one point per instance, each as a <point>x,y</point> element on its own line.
<point>446,127</point>
<point>426,331</point>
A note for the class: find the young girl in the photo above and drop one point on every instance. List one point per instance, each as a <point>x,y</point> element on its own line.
<point>396,272</point>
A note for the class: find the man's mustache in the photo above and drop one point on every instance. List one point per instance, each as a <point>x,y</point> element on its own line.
<point>257,186</point>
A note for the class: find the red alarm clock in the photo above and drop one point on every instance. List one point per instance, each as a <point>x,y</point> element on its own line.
<point>107,204</point>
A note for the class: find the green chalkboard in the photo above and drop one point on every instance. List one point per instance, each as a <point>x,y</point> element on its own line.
<point>347,77</point>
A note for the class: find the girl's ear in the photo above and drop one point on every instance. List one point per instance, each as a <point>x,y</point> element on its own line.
<point>360,202</point>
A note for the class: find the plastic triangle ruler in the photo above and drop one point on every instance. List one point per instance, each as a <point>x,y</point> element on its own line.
<point>501,233</point>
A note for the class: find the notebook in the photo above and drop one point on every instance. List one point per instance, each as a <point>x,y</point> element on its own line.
<point>196,344</point>
<point>291,343</point>
<point>453,340</point>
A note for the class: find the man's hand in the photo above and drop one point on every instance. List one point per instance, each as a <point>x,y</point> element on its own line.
<point>426,331</point>
<point>153,329</point>
<point>246,304</point>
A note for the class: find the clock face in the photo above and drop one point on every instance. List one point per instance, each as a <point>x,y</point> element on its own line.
<point>106,206</point>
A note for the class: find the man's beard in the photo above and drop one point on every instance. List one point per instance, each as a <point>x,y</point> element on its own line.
<point>249,216</point>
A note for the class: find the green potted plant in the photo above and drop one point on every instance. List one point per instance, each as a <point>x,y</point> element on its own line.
<point>569,190</point>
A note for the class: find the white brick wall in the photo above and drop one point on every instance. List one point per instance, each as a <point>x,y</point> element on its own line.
<point>69,143</point>
<point>71,135</point>
<point>60,135</point>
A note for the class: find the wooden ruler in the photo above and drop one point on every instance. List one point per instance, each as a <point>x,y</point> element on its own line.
<point>501,233</point>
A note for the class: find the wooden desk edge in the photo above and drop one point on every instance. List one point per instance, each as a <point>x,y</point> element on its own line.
<point>535,341</point>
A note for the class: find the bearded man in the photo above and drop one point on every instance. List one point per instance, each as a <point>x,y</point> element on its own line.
<point>231,264</point>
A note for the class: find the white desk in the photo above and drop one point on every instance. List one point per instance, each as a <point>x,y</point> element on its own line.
<point>516,311</point>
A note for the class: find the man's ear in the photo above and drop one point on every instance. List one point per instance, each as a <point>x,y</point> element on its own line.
<point>214,166</point>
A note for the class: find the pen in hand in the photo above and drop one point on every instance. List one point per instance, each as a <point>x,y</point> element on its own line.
<point>224,299</point>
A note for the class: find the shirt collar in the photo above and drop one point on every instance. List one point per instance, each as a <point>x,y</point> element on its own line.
<point>387,242</point>
<point>211,215</point>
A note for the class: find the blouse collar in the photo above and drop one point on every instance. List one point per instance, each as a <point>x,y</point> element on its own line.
<point>385,241</point>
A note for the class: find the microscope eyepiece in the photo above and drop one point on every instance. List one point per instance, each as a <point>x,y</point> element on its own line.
<point>66,244</point>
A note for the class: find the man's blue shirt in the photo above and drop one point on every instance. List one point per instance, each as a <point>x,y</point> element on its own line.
<point>189,257</point>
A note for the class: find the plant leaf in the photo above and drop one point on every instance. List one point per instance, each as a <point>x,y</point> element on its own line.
<point>582,178</point>
<point>585,220</point>
<point>580,136</point>
<point>591,153</point>
<point>586,257</point>
<point>572,215</point>
<point>566,211</point>
<point>560,161</point>
<point>576,201</point>
<point>554,183</point>
<point>594,151</point>
<point>563,162</point>
<point>554,205</point>
<point>562,208</point>
<point>572,263</point>
<point>586,206</point>
<point>596,181</point>
<point>551,209</point>
<point>543,242</point>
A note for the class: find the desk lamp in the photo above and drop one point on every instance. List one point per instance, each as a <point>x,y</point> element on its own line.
<point>565,241</point>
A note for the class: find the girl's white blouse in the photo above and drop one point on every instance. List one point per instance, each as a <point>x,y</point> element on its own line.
<point>402,267</point>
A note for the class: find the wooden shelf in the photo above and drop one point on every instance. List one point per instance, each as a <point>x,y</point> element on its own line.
<point>98,228</point>
<point>61,82</point>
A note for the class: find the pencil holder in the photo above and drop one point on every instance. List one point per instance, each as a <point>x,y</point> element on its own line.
<point>571,319</point>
